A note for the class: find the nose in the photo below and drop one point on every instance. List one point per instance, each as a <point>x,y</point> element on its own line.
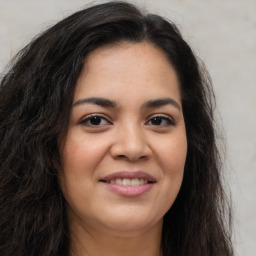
<point>131,144</point>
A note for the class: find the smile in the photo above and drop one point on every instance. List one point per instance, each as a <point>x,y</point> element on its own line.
<point>129,184</point>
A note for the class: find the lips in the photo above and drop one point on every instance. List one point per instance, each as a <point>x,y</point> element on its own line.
<point>127,183</point>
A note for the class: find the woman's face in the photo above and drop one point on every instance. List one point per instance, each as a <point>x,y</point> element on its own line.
<point>125,149</point>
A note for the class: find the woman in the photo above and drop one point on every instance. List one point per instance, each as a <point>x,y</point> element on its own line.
<point>107,142</point>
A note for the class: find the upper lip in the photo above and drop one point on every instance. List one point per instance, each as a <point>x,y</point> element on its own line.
<point>129,175</point>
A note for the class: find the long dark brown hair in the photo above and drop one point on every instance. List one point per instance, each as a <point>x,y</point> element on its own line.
<point>35,101</point>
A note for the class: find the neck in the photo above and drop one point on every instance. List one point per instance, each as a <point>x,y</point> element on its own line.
<point>93,242</point>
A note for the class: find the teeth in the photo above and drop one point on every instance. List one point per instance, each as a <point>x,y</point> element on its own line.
<point>135,182</point>
<point>119,181</point>
<point>141,181</point>
<point>128,182</point>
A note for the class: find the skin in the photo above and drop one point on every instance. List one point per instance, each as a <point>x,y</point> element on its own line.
<point>125,137</point>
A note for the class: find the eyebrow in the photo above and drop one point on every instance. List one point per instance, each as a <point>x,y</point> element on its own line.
<point>97,101</point>
<point>103,102</point>
<point>161,102</point>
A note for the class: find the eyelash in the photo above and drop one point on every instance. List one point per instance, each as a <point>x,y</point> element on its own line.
<point>90,117</point>
<point>168,120</point>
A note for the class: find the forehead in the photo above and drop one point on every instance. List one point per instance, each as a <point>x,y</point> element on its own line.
<point>127,69</point>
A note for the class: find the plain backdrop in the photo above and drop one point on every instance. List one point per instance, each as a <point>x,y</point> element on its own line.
<point>223,34</point>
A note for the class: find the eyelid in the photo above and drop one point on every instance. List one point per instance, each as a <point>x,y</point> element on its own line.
<point>164,116</point>
<point>87,117</point>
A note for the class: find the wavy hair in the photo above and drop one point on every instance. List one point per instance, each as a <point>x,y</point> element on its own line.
<point>35,102</point>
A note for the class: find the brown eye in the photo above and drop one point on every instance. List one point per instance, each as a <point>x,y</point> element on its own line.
<point>95,120</point>
<point>160,121</point>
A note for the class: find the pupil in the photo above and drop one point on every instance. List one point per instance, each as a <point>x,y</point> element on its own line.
<point>95,120</point>
<point>156,121</point>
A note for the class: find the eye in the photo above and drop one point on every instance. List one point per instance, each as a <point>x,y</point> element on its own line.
<point>160,120</point>
<point>95,121</point>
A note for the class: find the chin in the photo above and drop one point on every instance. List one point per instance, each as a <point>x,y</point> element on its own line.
<point>130,222</point>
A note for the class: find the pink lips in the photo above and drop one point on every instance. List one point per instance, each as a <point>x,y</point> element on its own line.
<point>129,190</point>
<point>129,175</point>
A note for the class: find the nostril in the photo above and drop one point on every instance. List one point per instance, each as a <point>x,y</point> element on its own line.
<point>135,158</point>
<point>121,156</point>
<point>130,151</point>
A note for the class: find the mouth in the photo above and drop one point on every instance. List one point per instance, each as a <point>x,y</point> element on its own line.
<point>128,178</point>
<point>127,183</point>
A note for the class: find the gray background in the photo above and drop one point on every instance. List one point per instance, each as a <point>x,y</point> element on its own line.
<point>223,34</point>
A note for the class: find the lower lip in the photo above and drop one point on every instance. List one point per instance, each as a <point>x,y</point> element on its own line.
<point>129,191</point>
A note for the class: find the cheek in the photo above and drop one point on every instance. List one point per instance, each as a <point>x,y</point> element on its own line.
<point>82,153</point>
<point>80,157</point>
<point>172,154</point>
<point>171,158</point>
